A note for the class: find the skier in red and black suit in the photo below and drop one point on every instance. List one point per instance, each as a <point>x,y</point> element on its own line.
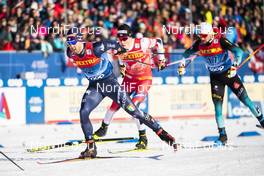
<point>137,76</point>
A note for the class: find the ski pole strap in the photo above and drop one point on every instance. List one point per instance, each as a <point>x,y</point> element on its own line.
<point>76,142</point>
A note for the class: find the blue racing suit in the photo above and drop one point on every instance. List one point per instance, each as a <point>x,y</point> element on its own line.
<point>218,62</point>
<point>96,66</point>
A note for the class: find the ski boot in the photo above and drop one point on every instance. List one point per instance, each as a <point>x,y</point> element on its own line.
<point>90,151</point>
<point>222,136</point>
<point>101,131</point>
<point>167,138</point>
<point>142,141</point>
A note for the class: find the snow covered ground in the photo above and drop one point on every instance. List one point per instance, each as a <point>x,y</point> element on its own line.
<point>246,157</point>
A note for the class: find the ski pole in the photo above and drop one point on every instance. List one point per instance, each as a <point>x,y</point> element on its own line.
<point>12,161</point>
<point>179,61</point>
<point>249,57</point>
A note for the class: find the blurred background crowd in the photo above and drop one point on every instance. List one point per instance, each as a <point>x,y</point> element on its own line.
<point>146,17</point>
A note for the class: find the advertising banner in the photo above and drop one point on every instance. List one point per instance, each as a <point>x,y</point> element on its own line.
<point>237,109</point>
<point>35,101</point>
<point>184,101</point>
<point>63,104</point>
<point>12,105</point>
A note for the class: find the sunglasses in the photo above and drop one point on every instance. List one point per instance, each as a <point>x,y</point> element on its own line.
<point>203,35</point>
<point>71,40</point>
<point>123,38</point>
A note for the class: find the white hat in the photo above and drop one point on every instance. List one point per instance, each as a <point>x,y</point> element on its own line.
<point>34,5</point>
<point>206,28</point>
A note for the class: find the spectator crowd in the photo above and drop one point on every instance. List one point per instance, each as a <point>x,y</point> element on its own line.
<point>146,17</point>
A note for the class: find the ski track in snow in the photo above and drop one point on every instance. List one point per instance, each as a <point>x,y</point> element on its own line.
<point>246,158</point>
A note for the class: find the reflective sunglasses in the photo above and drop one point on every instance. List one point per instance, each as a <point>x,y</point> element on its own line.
<point>123,38</point>
<point>71,40</point>
<point>203,35</point>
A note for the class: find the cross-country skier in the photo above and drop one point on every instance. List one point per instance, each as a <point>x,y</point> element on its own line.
<point>223,71</point>
<point>137,76</point>
<point>93,60</point>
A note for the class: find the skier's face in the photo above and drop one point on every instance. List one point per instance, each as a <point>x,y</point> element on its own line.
<point>74,44</point>
<point>206,37</point>
<point>125,41</point>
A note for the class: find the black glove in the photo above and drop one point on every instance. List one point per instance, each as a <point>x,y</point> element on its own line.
<point>162,64</point>
<point>122,70</point>
<point>120,50</point>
